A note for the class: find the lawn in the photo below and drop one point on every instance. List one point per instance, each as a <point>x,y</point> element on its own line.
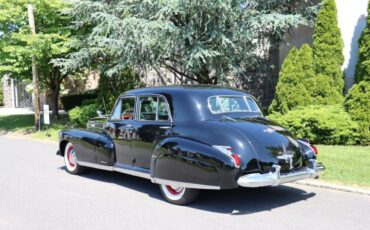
<point>347,165</point>
<point>23,125</point>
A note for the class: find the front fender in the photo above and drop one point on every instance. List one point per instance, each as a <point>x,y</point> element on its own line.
<point>192,162</point>
<point>90,146</point>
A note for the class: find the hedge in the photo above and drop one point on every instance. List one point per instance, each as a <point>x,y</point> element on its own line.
<point>329,124</point>
<point>71,101</point>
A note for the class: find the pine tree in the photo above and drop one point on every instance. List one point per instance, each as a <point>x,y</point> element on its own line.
<point>363,65</point>
<point>291,90</point>
<point>328,46</point>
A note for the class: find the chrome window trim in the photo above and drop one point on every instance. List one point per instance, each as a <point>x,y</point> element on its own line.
<point>155,95</point>
<point>245,99</point>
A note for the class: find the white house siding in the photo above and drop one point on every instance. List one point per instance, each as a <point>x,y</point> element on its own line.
<point>352,20</point>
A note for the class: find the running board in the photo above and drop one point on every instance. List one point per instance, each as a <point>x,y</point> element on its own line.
<point>134,171</point>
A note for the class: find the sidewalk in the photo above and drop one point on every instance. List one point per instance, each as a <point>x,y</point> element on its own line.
<point>21,111</point>
<point>15,111</point>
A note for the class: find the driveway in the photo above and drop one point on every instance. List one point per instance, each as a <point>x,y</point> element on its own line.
<point>37,193</point>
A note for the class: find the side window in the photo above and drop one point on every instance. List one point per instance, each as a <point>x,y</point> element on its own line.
<point>163,114</point>
<point>116,114</point>
<point>148,108</point>
<point>125,109</point>
<point>153,108</point>
<point>128,108</point>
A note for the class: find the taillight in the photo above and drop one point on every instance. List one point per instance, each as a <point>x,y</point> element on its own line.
<point>228,151</point>
<point>236,159</point>
<point>314,148</point>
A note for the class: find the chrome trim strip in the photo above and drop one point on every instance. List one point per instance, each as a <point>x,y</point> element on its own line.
<point>184,184</point>
<point>97,166</point>
<point>132,172</point>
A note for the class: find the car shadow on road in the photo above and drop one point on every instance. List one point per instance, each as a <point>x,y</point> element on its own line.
<point>239,201</point>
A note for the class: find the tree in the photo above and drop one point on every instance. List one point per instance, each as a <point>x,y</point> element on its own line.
<point>363,65</point>
<point>199,40</point>
<point>328,46</point>
<point>291,90</point>
<point>357,103</point>
<point>52,41</point>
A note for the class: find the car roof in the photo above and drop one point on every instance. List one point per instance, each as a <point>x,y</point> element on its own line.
<point>201,90</point>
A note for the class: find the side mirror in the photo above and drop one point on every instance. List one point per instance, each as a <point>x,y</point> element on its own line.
<point>100,114</point>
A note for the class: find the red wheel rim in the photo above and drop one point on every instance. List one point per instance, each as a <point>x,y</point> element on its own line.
<point>69,153</point>
<point>174,191</point>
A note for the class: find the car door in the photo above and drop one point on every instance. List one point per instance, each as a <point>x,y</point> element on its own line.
<point>120,128</point>
<point>154,122</point>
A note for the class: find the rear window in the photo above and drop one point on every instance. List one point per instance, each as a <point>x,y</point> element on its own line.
<point>230,104</point>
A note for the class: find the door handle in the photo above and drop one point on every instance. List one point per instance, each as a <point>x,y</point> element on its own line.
<point>164,127</point>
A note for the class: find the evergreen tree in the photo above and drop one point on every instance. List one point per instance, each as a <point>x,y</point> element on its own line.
<point>363,65</point>
<point>328,46</point>
<point>204,41</point>
<point>291,90</point>
<point>357,101</point>
<point>298,84</point>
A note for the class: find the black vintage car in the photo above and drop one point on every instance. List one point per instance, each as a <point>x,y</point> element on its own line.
<point>187,138</point>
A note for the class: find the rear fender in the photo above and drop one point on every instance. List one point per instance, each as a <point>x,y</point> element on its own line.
<point>193,163</point>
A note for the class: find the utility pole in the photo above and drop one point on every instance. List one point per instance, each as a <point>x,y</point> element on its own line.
<point>36,102</point>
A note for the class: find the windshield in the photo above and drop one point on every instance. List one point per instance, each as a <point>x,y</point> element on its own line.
<point>230,104</point>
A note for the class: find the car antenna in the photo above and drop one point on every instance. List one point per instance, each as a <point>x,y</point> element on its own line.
<point>105,108</point>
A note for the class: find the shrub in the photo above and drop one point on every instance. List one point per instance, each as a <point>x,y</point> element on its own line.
<point>320,124</point>
<point>363,65</point>
<point>80,115</point>
<point>328,46</point>
<point>357,103</point>
<point>71,101</point>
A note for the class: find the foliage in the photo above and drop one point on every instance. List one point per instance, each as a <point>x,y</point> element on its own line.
<point>324,125</point>
<point>80,115</point>
<point>1,95</point>
<point>298,84</point>
<point>328,46</point>
<point>357,103</point>
<point>17,45</point>
<point>71,101</point>
<point>363,65</point>
<point>199,40</point>
<point>345,164</point>
<point>290,90</point>
<point>111,86</point>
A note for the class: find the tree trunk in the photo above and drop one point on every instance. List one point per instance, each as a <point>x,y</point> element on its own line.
<point>55,89</point>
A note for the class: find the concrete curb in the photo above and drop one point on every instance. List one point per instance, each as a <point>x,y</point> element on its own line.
<point>325,185</point>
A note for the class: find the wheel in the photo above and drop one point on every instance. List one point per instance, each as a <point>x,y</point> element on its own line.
<point>178,195</point>
<point>70,160</point>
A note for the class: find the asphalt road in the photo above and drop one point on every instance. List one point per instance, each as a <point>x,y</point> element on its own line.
<point>37,193</point>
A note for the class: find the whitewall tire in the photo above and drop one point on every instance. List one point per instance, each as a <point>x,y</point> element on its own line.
<point>70,160</point>
<point>178,195</point>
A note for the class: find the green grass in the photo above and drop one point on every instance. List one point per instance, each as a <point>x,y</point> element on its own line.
<point>346,165</point>
<point>23,125</point>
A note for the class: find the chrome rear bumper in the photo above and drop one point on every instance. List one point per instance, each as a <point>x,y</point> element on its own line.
<point>276,178</point>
